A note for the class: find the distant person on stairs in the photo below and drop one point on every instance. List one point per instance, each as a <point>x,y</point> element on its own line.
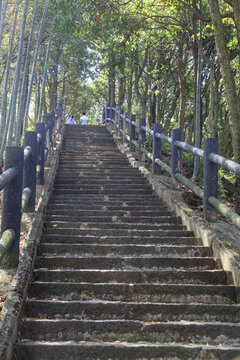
<point>84,119</point>
<point>71,120</point>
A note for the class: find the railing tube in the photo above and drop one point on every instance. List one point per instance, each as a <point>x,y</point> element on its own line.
<point>210,179</point>
<point>29,173</point>
<point>40,129</point>
<point>156,169</point>
<point>12,202</point>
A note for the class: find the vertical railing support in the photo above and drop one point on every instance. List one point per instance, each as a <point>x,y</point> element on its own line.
<point>40,129</point>
<point>29,172</point>
<point>103,115</point>
<point>119,121</point>
<point>108,111</point>
<point>111,114</point>
<point>210,179</point>
<point>157,144</point>
<point>12,202</point>
<point>141,138</point>
<point>132,132</point>
<point>176,157</point>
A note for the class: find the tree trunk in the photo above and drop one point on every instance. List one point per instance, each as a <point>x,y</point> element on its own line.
<point>2,21</point>
<point>130,89</point>
<point>3,127</point>
<point>230,89</point>
<point>12,109</point>
<point>25,122</point>
<point>23,88</point>
<point>182,62</point>
<point>45,78</point>
<point>228,77</point>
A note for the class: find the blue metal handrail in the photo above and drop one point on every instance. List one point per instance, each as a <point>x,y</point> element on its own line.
<point>23,166</point>
<point>209,154</point>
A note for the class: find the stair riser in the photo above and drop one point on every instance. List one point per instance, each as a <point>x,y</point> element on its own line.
<point>88,250</point>
<point>124,311</point>
<point>124,263</point>
<point>131,331</point>
<point>114,219</point>
<point>75,239</point>
<point>121,352</point>
<point>109,226</point>
<point>118,276</point>
<point>137,292</point>
<point>161,233</point>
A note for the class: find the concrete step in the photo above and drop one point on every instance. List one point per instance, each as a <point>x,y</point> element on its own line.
<point>121,351</point>
<point>114,219</point>
<point>122,250</point>
<point>216,277</point>
<point>118,231</point>
<point>131,331</point>
<point>147,312</point>
<point>105,186</point>
<point>104,213</point>
<point>91,239</point>
<point>127,262</point>
<point>105,191</point>
<point>141,292</point>
<point>93,182</point>
<point>113,225</point>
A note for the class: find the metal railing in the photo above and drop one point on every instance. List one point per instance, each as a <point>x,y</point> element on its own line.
<point>23,170</point>
<point>212,160</point>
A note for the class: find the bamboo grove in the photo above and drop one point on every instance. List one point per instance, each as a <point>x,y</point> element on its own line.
<point>174,62</point>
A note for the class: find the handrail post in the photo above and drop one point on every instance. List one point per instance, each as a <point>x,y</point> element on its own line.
<point>132,132</point>
<point>157,148</point>
<point>210,179</point>
<point>12,202</point>
<point>111,114</point>
<point>40,129</point>
<point>122,124</point>
<point>29,172</point>
<point>119,122</point>
<point>103,115</point>
<point>176,157</point>
<point>108,111</point>
<point>141,138</point>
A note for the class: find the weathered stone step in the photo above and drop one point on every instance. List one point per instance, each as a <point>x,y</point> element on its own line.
<point>155,293</point>
<point>117,198</point>
<point>131,330</point>
<point>110,310</point>
<point>114,219</point>
<point>103,213</point>
<point>124,250</point>
<point>111,226</point>
<point>89,172</point>
<point>75,239</point>
<point>118,232</point>
<point>105,186</point>
<point>100,205</point>
<point>92,182</point>
<point>101,177</point>
<point>116,262</point>
<point>216,277</point>
<point>133,192</point>
<point>121,351</point>
<point>109,202</point>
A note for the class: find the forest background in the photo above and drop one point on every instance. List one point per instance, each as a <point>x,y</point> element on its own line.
<point>172,62</point>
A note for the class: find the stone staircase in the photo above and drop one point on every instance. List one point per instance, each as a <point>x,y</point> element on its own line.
<point>117,275</point>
